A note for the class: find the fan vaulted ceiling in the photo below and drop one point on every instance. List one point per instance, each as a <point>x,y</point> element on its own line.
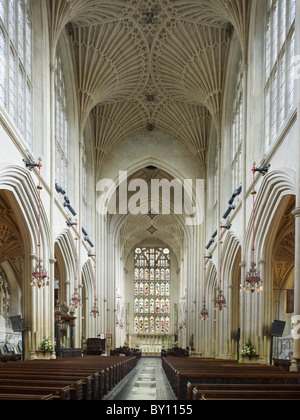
<point>150,64</point>
<point>156,63</point>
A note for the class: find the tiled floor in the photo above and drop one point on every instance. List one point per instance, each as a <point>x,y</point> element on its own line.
<point>148,382</point>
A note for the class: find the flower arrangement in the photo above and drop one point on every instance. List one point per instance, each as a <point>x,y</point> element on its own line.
<point>47,345</point>
<point>249,350</point>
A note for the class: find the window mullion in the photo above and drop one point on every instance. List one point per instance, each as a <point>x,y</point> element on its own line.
<point>17,101</point>
<point>279,84</point>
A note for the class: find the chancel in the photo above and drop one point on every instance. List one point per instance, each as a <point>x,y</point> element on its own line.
<point>149,179</point>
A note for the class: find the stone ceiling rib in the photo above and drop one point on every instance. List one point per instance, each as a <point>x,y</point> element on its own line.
<point>112,122</point>
<point>82,12</point>
<point>214,13</point>
<point>237,12</point>
<point>189,123</point>
<point>112,64</point>
<point>191,66</point>
<point>180,58</point>
<point>133,232</point>
<point>133,229</point>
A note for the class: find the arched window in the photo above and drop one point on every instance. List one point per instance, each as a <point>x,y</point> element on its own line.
<point>136,306</point>
<point>237,131</point>
<point>136,325</point>
<point>16,65</point>
<point>61,126</point>
<point>146,324</point>
<point>152,323</point>
<point>154,298</point>
<point>152,306</point>
<point>136,289</point>
<point>146,306</point>
<point>279,66</point>
<point>167,330</point>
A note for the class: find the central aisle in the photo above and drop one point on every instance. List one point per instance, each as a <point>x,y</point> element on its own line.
<point>148,382</point>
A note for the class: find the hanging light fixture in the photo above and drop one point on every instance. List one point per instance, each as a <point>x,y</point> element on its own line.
<point>253,278</point>
<point>204,312</point>
<point>39,274</point>
<point>220,302</point>
<point>95,311</point>
<point>76,299</point>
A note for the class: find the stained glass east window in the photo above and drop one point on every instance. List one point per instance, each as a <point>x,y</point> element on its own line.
<point>152,278</point>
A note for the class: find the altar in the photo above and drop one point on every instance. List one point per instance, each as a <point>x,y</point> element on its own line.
<point>151,350</point>
<point>151,345</point>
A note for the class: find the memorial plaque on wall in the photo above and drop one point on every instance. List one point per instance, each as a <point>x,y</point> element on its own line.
<point>290,296</point>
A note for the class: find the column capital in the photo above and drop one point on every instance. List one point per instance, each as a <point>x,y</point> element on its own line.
<point>296,212</point>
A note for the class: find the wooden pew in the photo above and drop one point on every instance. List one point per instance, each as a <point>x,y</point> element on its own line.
<point>97,375</point>
<point>62,394</point>
<point>180,373</point>
<point>66,390</point>
<point>76,386</point>
<point>100,376</point>
<point>250,395</point>
<point>172,367</point>
<point>19,397</point>
<point>85,389</point>
<point>228,377</point>
<point>111,370</point>
<point>195,391</point>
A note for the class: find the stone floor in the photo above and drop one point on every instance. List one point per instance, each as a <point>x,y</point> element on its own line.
<point>147,382</point>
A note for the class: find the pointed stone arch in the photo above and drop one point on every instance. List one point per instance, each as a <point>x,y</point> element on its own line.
<point>88,279</point>
<point>210,333</point>
<point>19,187</point>
<point>275,192</point>
<point>232,278</point>
<point>65,261</point>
